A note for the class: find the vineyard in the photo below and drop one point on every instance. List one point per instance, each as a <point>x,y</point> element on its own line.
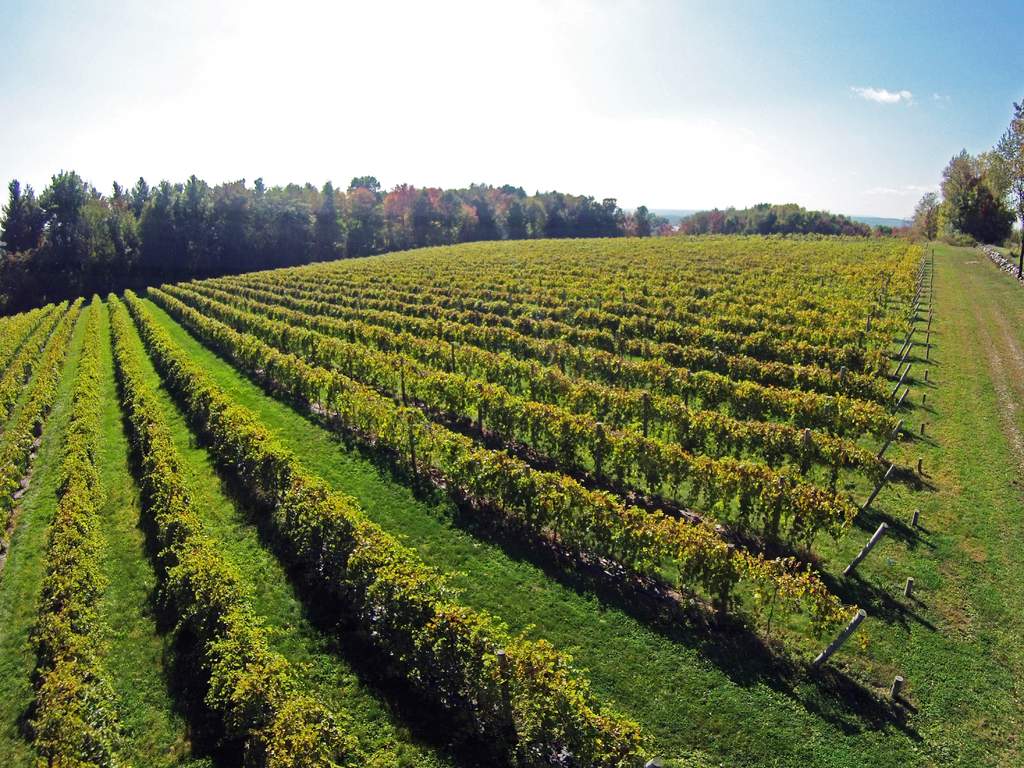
<point>542,503</point>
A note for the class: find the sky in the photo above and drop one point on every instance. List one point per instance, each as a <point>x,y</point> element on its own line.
<point>850,107</point>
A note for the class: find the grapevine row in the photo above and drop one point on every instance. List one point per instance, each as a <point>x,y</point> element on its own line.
<point>543,502</point>
<point>714,283</point>
<point>616,315</point>
<point>786,505</point>
<point>250,687</point>
<point>742,399</point>
<point>708,432</point>
<point>13,381</point>
<point>761,345</point>
<point>18,439</point>
<point>74,722</point>
<point>775,373</point>
<point>16,330</point>
<point>657,289</point>
<point>593,326</point>
<point>525,703</point>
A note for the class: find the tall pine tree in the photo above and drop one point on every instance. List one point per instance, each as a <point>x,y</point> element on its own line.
<point>328,237</point>
<point>22,226</point>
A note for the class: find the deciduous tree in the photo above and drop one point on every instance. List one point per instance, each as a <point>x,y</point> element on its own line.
<point>926,216</point>
<point>1010,150</point>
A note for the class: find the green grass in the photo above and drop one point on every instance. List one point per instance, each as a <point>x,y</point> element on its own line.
<point>691,687</point>
<point>320,669</point>
<point>957,641</point>
<point>22,575</point>
<point>155,732</point>
<point>688,686</point>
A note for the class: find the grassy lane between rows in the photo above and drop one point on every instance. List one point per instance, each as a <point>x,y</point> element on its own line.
<point>956,641</point>
<point>23,573</point>
<point>689,687</point>
<point>974,696</point>
<point>313,655</point>
<point>155,732</point>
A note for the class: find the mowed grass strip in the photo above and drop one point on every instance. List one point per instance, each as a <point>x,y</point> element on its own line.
<point>686,686</point>
<point>956,641</point>
<point>21,577</point>
<point>972,585</point>
<point>156,733</point>
<point>321,671</point>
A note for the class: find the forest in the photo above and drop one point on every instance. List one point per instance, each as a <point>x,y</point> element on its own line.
<point>72,240</point>
<point>765,219</point>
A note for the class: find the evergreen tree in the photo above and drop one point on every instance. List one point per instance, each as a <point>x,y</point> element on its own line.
<point>68,246</point>
<point>139,195</point>
<point>22,226</point>
<point>328,235</point>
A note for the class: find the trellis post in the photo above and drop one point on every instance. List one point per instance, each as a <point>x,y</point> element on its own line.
<point>841,638</point>
<point>875,538</point>
<point>892,436</point>
<point>878,488</point>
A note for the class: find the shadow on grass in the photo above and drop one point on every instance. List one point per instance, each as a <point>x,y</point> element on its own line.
<point>723,639</point>
<point>182,659</point>
<point>897,528</point>
<point>877,600</point>
<point>428,724</point>
<point>909,478</point>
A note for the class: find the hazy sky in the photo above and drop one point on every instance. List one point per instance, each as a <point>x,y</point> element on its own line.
<point>854,107</point>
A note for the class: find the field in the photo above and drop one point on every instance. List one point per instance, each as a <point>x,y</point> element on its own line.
<point>569,503</point>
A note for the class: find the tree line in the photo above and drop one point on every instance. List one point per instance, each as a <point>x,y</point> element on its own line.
<point>981,195</point>
<point>768,219</point>
<point>72,240</point>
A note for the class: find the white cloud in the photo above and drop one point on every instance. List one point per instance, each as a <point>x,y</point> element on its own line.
<point>883,96</point>
<point>905,191</point>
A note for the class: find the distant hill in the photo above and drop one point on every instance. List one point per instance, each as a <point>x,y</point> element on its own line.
<point>881,221</point>
<point>675,215</point>
<point>767,219</point>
